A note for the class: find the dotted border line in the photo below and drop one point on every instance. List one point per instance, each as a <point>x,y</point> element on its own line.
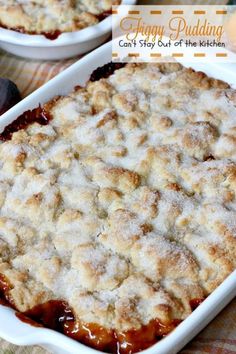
<point>175,55</point>
<point>174,12</point>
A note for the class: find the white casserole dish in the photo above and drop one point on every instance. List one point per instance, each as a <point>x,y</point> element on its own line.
<point>67,45</point>
<point>17,332</point>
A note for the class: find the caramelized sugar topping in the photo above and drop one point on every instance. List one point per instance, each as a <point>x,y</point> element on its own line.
<point>105,71</point>
<point>194,303</point>
<point>38,115</point>
<point>5,287</point>
<point>59,316</point>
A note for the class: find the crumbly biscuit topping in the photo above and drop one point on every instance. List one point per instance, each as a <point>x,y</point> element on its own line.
<point>124,204</point>
<point>45,16</point>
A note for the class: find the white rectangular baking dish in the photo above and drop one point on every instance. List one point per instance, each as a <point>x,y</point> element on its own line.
<point>17,332</point>
<point>67,45</point>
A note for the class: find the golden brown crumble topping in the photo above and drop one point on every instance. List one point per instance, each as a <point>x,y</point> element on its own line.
<point>53,16</point>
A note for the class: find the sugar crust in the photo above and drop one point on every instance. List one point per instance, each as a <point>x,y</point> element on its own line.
<point>47,16</point>
<point>124,205</point>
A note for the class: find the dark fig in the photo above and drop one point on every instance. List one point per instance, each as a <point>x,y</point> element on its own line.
<point>9,95</point>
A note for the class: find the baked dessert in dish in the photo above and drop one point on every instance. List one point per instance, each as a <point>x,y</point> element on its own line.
<point>118,204</point>
<point>52,17</point>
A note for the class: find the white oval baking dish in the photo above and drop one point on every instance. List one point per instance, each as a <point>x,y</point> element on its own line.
<point>67,45</point>
<point>17,332</point>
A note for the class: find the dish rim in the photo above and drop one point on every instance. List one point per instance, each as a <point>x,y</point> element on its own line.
<point>24,334</point>
<point>65,39</point>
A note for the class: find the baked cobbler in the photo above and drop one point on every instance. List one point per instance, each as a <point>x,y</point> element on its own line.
<point>118,204</point>
<point>52,17</point>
